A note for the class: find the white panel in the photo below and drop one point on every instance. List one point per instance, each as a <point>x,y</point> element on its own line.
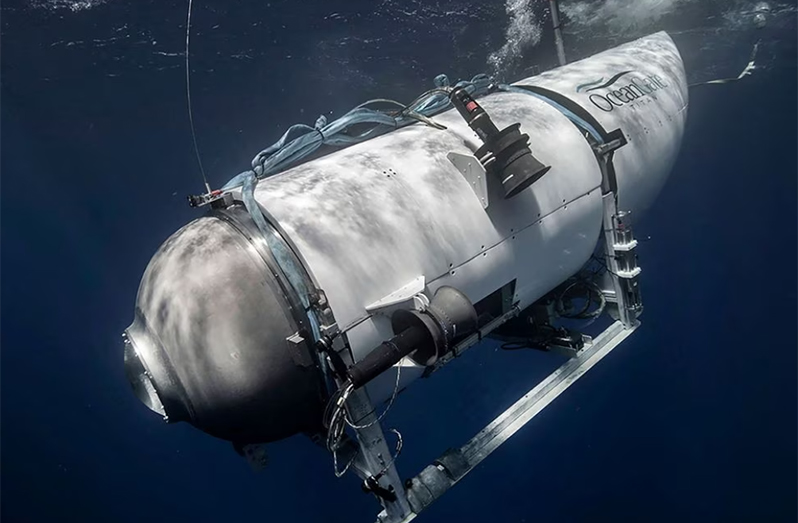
<point>539,257</point>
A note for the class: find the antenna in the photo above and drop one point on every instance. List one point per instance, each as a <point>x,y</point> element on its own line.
<point>188,100</point>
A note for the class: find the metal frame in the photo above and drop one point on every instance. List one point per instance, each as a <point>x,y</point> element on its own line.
<point>452,466</point>
<point>372,453</point>
<point>446,471</point>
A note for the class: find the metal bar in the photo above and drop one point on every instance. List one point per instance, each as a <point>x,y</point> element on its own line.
<point>555,21</point>
<point>436,479</point>
<point>526,408</point>
<point>374,453</point>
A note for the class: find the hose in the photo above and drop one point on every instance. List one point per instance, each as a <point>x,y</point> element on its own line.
<point>300,141</point>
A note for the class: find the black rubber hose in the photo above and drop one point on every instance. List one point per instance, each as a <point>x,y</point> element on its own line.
<point>386,355</point>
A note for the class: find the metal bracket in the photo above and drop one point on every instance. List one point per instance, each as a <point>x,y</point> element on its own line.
<point>216,199</point>
<point>474,173</point>
<point>604,154</point>
<point>614,141</point>
<point>408,296</point>
<point>331,331</point>
<point>628,275</point>
<point>625,246</point>
<point>610,146</point>
<point>571,351</point>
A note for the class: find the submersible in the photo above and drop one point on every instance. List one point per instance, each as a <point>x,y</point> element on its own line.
<point>369,267</point>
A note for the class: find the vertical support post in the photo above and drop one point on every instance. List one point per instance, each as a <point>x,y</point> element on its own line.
<point>624,278</point>
<point>609,241</point>
<point>375,454</point>
<point>555,20</point>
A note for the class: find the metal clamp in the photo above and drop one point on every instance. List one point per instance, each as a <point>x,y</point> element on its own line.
<point>474,172</point>
<point>409,296</point>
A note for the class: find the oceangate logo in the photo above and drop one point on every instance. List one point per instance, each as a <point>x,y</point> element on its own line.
<point>637,87</point>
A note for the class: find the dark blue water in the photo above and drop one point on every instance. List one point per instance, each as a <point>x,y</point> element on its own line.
<point>693,419</point>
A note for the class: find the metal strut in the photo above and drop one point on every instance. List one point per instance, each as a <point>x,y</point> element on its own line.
<point>373,461</point>
<point>454,464</point>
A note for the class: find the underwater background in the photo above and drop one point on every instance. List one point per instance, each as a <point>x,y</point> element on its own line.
<point>692,419</point>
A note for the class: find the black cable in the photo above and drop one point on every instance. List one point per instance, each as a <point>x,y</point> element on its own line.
<point>604,264</point>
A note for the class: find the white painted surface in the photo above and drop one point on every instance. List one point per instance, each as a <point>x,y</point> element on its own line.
<point>653,123</point>
<point>371,218</point>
